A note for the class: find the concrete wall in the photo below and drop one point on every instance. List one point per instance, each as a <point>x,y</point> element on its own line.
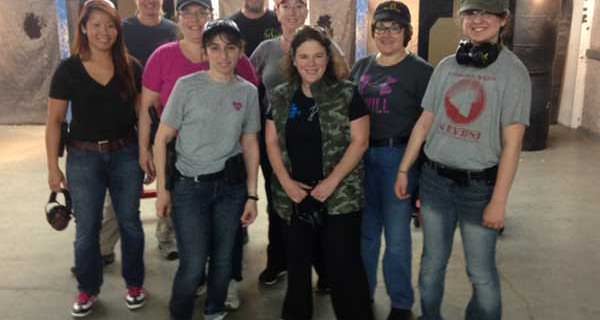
<point>590,120</point>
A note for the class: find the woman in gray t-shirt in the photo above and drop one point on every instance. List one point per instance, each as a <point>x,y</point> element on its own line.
<point>476,109</point>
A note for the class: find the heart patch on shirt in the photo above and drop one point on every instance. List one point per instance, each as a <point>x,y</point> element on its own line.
<point>237,106</point>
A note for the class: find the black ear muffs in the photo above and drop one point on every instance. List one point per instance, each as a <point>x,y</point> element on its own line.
<point>479,56</point>
<point>57,214</point>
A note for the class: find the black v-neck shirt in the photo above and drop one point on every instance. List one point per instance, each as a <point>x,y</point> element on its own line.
<point>98,111</point>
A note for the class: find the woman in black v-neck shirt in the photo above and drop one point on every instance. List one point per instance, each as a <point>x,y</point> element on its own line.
<point>101,83</point>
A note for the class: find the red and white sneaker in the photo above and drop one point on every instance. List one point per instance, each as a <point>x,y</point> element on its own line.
<point>83,306</point>
<point>135,298</point>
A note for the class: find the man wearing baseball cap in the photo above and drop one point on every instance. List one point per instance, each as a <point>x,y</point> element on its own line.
<point>183,3</point>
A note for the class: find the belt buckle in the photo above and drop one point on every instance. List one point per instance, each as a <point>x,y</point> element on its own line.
<point>101,145</point>
<point>196,180</point>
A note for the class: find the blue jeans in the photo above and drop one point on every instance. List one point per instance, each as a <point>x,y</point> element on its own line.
<point>444,205</point>
<point>90,174</point>
<point>206,217</point>
<point>384,211</point>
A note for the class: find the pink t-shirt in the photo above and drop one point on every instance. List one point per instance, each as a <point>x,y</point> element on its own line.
<point>167,64</point>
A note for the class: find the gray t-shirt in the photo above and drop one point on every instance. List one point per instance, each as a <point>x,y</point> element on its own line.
<point>267,59</point>
<point>471,107</point>
<point>393,94</point>
<point>142,40</point>
<point>210,118</point>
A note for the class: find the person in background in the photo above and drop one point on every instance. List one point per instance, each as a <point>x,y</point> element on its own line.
<point>102,84</point>
<point>143,33</point>
<point>317,132</point>
<point>476,108</point>
<point>392,82</point>
<point>214,116</point>
<point>168,63</point>
<point>257,23</point>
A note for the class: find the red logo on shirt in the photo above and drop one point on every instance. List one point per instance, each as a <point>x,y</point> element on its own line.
<point>237,105</point>
<point>465,90</point>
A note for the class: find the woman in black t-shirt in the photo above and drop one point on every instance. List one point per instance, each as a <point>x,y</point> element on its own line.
<point>316,135</point>
<point>101,82</point>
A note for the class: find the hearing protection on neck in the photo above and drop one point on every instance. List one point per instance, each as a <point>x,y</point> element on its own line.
<point>58,215</point>
<point>479,56</point>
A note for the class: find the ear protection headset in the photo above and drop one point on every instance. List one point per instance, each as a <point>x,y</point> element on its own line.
<point>479,56</point>
<point>57,214</point>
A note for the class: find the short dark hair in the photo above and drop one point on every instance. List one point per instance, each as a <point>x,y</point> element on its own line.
<point>304,34</point>
<point>225,28</point>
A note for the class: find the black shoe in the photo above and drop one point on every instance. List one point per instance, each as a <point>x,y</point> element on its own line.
<point>108,259</point>
<point>323,287</point>
<point>400,314</point>
<point>271,276</point>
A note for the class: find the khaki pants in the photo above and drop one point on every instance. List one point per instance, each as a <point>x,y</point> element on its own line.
<point>109,232</point>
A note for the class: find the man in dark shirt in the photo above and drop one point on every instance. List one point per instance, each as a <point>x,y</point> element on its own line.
<point>147,30</point>
<point>257,23</point>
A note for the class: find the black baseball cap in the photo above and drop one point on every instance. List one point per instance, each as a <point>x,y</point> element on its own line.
<point>205,3</point>
<point>392,11</point>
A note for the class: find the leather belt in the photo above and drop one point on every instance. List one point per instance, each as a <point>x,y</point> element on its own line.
<point>389,142</point>
<point>463,176</point>
<point>103,145</point>
<point>204,177</point>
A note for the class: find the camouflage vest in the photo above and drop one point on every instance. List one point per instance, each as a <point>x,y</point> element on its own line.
<point>333,100</point>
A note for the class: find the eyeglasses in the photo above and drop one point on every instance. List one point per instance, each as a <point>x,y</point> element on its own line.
<point>472,14</point>
<point>393,29</point>
<point>191,15</point>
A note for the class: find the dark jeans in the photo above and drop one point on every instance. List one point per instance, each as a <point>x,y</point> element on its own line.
<point>90,174</point>
<point>340,246</point>
<point>276,251</point>
<point>206,217</point>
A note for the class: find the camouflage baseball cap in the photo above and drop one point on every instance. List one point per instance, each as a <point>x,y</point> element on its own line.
<point>494,6</point>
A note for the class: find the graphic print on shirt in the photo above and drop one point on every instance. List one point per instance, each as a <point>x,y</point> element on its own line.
<point>237,105</point>
<point>295,112</point>
<point>376,93</point>
<point>464,102</point>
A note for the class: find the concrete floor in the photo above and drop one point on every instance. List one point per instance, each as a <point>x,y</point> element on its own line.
<point>548,256</point>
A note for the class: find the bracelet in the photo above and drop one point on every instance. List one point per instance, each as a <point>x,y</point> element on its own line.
<point>402,171</point>
<point>252,197</point>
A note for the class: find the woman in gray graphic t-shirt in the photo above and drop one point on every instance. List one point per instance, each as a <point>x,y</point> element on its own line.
<point>476,108</point>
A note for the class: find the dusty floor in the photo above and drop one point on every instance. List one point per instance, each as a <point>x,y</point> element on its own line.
<point>549,256</point>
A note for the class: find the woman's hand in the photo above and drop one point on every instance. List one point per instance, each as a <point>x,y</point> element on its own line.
<point>163,204</point>
<point>250,213</point>
<point>324,189</point>
<point>295,190</point>
<point>147,165</point>
<point>493,215</point>
<point>401,186</point>
<point>56,180</point>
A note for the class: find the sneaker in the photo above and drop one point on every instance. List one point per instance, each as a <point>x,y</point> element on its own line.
<point>135,298</point>
<point>168,252</point>
<point>270,276</point>
<point>215,316</point>
<point>233,296</point>
<point>83,306</point>
<point>400,314</point>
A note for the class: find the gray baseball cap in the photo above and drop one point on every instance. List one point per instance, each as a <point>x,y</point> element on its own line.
<point>494,6</point>
<point>205,3</point>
